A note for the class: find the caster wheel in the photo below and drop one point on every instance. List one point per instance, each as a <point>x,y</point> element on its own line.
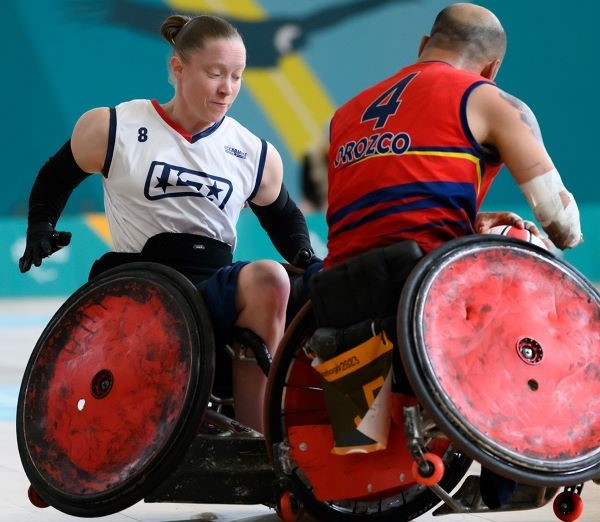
<point>433,474</point>
<point>35,499</point>
<point>568,506</point>
<point>288,508</point>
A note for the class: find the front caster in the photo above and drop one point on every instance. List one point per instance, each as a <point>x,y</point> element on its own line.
<point>288,508</point>
<point>35,499</point>
<point>429,470</point>
<point>568,505</point>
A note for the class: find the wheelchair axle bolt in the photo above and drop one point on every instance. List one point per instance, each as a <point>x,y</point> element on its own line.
<point>529,350</point>
<point>102,383</point>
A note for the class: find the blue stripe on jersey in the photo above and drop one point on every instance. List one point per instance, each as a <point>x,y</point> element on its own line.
<point>261,168</point>
<point>396,209</point>
<point>455,195</point>
<point>441,226</point>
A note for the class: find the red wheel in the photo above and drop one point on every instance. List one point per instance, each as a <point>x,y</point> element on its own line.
<point>493,336</point>
<point>35,499</point>
<point>435,473</point>
<point>112,393</point>
<point>288,509</point>
<point>568,506</point>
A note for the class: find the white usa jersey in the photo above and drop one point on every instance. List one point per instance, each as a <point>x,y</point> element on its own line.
<point>158,178</point>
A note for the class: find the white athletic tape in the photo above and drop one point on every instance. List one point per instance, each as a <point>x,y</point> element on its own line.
<point>545,195</point>
<point>542,187</point>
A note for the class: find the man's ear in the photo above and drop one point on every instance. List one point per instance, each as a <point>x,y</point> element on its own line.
<point>491,69</point>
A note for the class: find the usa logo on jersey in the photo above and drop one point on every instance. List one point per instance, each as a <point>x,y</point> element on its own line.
<point>169,181</point>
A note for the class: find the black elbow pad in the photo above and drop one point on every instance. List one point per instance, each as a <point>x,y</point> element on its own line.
<point>286,226</point>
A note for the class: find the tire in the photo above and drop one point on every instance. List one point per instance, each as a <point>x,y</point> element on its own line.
<point>115,389</point>
<point>499,340</point>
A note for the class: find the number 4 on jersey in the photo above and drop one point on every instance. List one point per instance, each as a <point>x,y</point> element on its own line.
<point>387,104</point>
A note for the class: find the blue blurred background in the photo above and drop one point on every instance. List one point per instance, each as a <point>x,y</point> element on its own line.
<point>63,57</point>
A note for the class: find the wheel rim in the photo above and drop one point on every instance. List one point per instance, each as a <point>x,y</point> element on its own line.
<point>121,364</point>
<point>508,405</point>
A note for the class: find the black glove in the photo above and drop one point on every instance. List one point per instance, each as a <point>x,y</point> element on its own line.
<point>42,241</point>
<point>305,257</point>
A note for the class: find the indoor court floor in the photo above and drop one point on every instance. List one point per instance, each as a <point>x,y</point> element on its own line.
<point>21,322</point>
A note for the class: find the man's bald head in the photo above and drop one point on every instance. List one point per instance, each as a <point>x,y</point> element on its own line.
<point>470,30</point>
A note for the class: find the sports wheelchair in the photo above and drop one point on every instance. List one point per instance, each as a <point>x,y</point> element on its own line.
<point>498,340</point>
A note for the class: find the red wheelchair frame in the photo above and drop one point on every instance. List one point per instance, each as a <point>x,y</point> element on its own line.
<point>497,337</point>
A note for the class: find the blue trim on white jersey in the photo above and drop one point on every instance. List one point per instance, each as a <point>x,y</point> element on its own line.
<point>261,168</point>
<point>112,134</point>
<point>206,132</point>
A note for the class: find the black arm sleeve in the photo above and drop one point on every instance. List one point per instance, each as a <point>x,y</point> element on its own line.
<point>53,186</point>
<point>286,226</point>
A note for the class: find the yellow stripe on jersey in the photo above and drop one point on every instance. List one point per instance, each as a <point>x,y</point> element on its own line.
<point>449,154</point>
<point>290,95</point>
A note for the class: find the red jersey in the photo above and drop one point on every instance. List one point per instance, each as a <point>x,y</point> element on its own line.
<point>403,163</point>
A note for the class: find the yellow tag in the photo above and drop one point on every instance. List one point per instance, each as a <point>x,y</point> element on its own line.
<point>354,359</point>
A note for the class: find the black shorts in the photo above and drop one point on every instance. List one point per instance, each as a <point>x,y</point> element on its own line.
<point>206,262</point>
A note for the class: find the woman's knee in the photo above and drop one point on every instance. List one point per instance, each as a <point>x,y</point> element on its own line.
<point>267,279</point>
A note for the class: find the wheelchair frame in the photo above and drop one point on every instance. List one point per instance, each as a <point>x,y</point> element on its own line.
<point>193,453</point>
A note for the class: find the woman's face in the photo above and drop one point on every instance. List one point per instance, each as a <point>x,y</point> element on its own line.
<point>211,79</point>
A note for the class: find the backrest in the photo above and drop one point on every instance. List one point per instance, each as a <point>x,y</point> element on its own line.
<point>366,286</point>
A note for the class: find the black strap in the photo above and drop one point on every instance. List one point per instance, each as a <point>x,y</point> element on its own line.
<point>254,342</point>
<point>196,257</point>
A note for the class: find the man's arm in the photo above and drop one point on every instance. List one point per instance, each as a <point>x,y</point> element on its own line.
<point>505,124</point>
